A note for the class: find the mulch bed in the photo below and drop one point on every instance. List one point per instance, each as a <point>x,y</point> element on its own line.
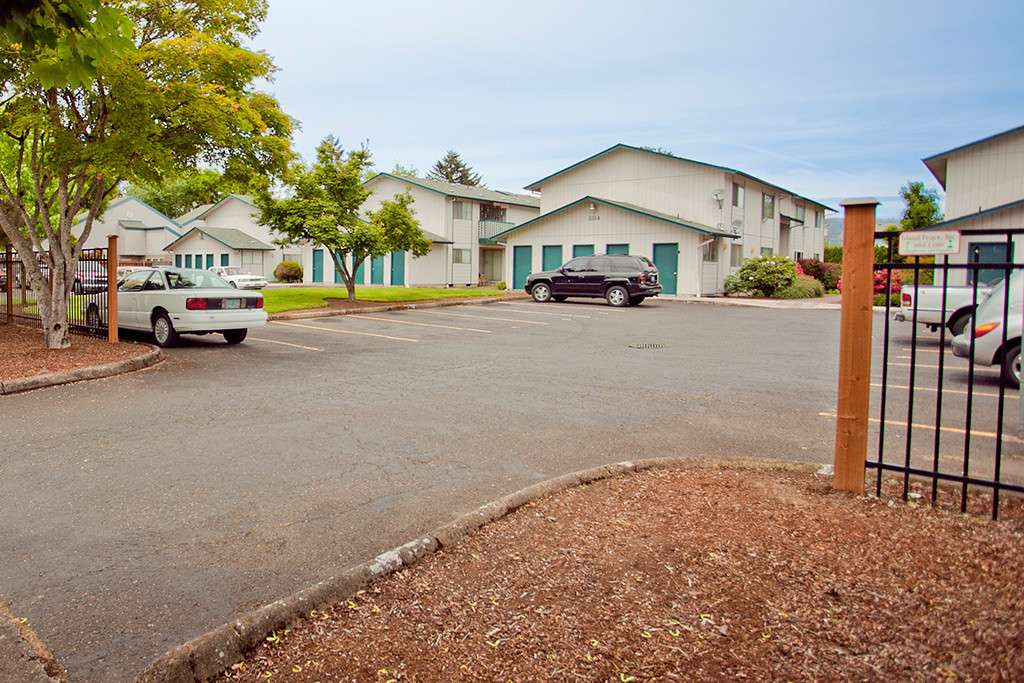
<point>695,575</point>
<point>23,352</point>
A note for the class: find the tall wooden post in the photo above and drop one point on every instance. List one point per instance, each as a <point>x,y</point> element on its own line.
<point>855,344</point>
<point>112,289</point>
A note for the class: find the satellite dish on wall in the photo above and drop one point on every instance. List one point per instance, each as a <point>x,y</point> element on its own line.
<point>737,226</point>
<point>718,194</point>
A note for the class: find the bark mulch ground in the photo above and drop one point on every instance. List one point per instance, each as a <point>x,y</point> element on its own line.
<point>24,354</point>
<point>695,575</point>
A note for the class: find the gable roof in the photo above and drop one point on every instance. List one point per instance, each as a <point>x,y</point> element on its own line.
<point>978,214</point>
<point>674,221</point>
<point>938,163</point>
<point>231,238</point>
<point>204,209</point>
<point>724,169</point>
<point>464,191</point>
<point>131,198</point>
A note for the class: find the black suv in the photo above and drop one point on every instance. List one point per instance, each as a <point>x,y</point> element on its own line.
<point>620,279</point>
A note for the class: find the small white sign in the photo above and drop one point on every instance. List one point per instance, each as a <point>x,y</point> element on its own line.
<point>929,242</point>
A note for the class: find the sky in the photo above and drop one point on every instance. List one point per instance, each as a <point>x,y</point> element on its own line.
<point>827,100</point>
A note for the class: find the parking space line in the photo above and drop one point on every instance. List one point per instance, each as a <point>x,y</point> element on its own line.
<point>485,317</point>
<point>949,391</point>
<point>930,428</point>
<point>560,315</point>
<point>298,346</point>
<point>334,329</point>
<point>409,322</point>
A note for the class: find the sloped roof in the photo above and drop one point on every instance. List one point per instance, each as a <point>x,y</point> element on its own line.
<point>674,221</point>
<point>130,198</point>
<point>464,191</point>
<point>436,239</point>
<point>938,163</point>
<point>725,169</point>
<point>978,214</point>
<point>204,209</point>
<point>231,238</point>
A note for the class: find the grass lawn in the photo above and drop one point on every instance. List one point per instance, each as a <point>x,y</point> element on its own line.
<point>291,299</point>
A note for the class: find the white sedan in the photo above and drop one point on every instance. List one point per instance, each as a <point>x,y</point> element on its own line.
<point>172,301</point>
<point>237,277</point>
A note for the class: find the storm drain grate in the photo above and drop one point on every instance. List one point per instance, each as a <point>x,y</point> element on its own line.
<point>648,346</point>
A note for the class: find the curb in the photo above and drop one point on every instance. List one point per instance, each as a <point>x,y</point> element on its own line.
<point>25,658</point>
<point>396,306</point>
<point>13,386</point>
<point>209,655</point>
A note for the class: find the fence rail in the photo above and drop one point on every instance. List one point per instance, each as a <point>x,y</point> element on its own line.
<point>951,420</point>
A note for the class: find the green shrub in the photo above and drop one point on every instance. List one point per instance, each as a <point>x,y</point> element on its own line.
<point>762,275</point>
<point>834,254</point>
<point>802,287</point>
<point>828,274</point>
<point>288,271</point>
<point>501,285</point>
<point>895,299</point>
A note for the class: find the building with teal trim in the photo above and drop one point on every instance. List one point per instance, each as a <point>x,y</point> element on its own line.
<point>696,221</point>
<point>142,231</point>
<point>461,222</point>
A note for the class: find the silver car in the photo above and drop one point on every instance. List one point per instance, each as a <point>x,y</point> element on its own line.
<point>987,330</point>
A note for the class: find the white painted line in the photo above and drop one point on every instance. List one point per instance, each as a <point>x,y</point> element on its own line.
<point>297,346</point>
<point>950,391</point>
<point>531,312</point>
<point>409,322</point>
<point>334,329</point>
<point>484,317</point>
<point>930,428</point>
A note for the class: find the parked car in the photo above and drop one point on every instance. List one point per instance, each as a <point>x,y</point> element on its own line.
<point>989,348</point>
<point>90,276</point>
<point>172,301</point>
<point>960,302</point>
<point>620,279</point>
<point>239,278</point>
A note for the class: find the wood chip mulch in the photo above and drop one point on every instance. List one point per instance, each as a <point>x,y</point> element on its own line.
<point>698,574</point>
<point>23,352</point>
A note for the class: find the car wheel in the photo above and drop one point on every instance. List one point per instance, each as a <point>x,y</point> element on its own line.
<point>233,284</point>
<point>636,301</point>
<point>163,331</point>
<point>617,296</point>
<point>958,324</point>
<point>541,292</point>
<point>1011,366</point>
<point>92,319</point>
<point>235,336</point>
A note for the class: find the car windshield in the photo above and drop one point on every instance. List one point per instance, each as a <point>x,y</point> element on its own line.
<point>194,279</point>
<point>232,270</point>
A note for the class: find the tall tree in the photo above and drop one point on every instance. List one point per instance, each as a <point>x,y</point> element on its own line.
<point>180,96</point>
<point>921,206</point>
<point>451,168</point>
<point>324,207</point>
<point>179,193</point>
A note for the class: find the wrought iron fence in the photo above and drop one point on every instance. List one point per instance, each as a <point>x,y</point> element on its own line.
<point>18,302</point>
<point>942,417</point>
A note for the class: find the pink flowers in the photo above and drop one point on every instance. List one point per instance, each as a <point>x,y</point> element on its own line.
<point>881,278</point>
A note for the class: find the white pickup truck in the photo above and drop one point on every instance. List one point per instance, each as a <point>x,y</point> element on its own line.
<point>960,304</point>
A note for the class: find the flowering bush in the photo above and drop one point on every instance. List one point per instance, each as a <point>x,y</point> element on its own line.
<point>827,274</point>
<point>881,277</point>
<point>762,275</point>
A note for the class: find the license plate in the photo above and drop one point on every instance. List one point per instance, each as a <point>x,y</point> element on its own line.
<point>232,303</point>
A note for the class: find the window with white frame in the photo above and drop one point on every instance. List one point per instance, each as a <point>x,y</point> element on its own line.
<point>766,251</point>
<point>460,210</point>
<point>737,195</point>
<point>460,256</point>
<point>711,251</point>
<point>252,258</point>
<point>799,213</point>
<point>817,219</point>
<point>736,256</point>
<point>767,206</point>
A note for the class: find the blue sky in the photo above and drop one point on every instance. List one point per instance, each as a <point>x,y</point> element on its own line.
<point>828,100</point>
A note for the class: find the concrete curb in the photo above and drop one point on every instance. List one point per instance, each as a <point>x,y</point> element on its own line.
<point>395,306</point>
<point>210,654</point>
<point>13,386</point>
<point>25,658</point>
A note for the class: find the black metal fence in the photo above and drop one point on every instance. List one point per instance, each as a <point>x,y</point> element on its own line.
<point>18,302</point>
<point>942,417</point>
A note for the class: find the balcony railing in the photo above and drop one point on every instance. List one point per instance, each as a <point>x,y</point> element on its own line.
<point>488,229</point>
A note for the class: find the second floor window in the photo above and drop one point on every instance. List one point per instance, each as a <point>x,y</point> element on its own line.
<point>460,211</point>
<point>768,207</point>
<point>492,212</point>
<point>737,195</point>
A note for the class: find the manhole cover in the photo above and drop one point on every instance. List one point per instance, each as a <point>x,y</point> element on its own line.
<point>648,346</point>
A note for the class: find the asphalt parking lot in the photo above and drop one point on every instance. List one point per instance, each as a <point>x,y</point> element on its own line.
<point>143,510</point>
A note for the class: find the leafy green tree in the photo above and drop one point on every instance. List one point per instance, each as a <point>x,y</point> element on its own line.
<point>182,95</point>
<point>324,207</point>
<point>409,171</point>
<point>179,193</point>
<point>452,169</point>
<point>922,206</point>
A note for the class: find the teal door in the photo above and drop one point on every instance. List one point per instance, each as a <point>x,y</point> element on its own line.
<point>522,263</point>
<point>318,265</point>
<point>398,268</point>
<point>617,249</point>
<point>987,252</point>
<point>552,257</point>
<point>377,270</point>
<point>666,260</point>
<point>188,260</point>
<point>177,260</point>
<point>359,277</point>
<point>209,261</point>
<point>582,250</point>
<point>224,259</point>
<point>337,273</point>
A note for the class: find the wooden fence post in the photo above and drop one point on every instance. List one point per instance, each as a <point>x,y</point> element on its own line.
<point>112,289</point>
<point>855,344</point>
